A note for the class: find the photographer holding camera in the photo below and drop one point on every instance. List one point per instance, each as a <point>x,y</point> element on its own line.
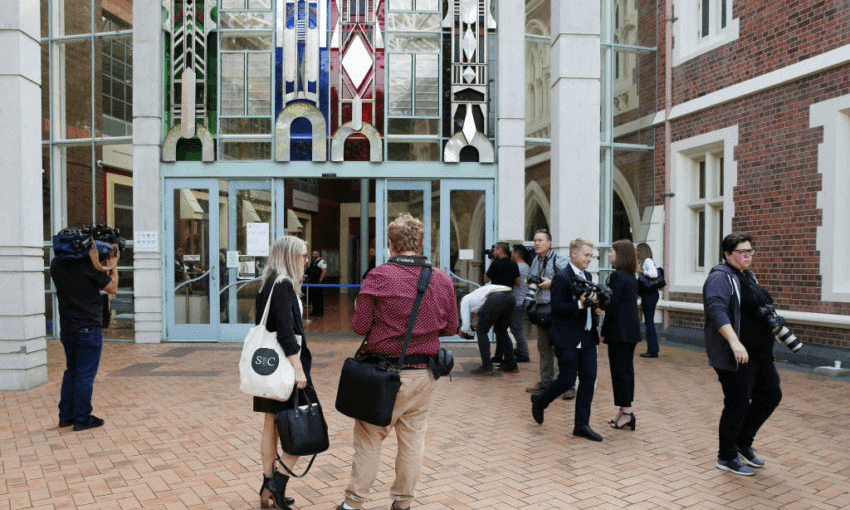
<point>546,263</point>
<point>575,311</point>
<point>739,335</point>
<point>78,283</point>
<point>497,310</point>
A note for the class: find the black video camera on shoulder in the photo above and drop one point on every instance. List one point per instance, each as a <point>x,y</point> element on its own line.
<point>75,243</point>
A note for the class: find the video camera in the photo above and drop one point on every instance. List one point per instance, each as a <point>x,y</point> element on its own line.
<point>580,287</point>
<point>75,243</point>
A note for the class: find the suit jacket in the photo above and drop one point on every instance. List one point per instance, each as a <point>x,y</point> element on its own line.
<point>621,322</point>
<point>568,320</point>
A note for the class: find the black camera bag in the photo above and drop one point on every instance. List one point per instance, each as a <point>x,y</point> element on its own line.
<point>369,382</point>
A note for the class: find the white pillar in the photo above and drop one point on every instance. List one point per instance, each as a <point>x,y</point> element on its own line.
<point>23,348</point>
<point>511,121</point>
<point>147,135</point>
<point>575,121</point>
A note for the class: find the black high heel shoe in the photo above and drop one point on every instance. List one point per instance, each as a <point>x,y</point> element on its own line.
<point>631,424</point>
<point>273,490</point>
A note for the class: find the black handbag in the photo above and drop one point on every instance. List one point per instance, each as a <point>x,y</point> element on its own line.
<point>302,429</point>
<point>369,382</point>
<point>540,315</point>
<point>646,283</point>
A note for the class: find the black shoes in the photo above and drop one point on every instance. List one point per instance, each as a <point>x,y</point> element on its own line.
<point>89,423</point>
<point>649,355</point>
<point>536,408</point>
<point>65,423</point>
<point>510,369</point>
<point>273,492</point>
<point>586,432</point>
<point>482,370</point>
<point>748,456</point>
<point>631,424</point>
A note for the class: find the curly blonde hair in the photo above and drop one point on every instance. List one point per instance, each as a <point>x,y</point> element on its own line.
<point>406,234</point>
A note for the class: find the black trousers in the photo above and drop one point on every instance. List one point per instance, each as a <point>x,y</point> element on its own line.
<point>317,299</point>
<point>749,397</point>
<point>496,313</point>
<point>621,361</point>
<point>574,361</point>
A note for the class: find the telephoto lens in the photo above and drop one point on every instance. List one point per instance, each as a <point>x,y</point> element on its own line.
<point>785,336</point>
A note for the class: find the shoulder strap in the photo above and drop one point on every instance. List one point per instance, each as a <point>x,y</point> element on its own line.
<point>421,288</point>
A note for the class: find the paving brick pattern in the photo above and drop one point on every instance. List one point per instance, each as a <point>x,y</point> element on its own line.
<point>180,435</point>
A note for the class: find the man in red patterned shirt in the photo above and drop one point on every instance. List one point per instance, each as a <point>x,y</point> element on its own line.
<point>382,311</point>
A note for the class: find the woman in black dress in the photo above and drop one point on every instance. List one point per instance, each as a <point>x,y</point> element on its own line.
<point>287,257</point>
<point>621,330</point>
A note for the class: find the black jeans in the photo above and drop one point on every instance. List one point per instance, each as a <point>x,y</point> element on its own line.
<point>621,362</point>
<point>749,397</point>
<point>496,312</point>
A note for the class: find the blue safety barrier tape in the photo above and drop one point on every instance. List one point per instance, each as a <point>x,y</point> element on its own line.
<point>330,285</point>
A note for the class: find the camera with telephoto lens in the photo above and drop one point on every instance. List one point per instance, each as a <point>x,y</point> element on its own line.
<point>778,329</point>
<point>533,282</point>
<point>603,293</point>
<point>489,253</point>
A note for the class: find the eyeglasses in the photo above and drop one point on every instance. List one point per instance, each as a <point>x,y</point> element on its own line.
<point>749,252</point>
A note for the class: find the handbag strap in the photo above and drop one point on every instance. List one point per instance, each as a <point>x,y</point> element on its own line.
<point>421,287</point>
<point>269,300</point>
<point>291,472</point>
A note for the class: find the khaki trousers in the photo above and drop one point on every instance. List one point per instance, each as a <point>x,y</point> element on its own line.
<point>410,420</point>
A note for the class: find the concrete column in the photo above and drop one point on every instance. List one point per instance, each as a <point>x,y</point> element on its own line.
<point>147,135</point>
<point>575,121</point>
<point>511,121</point>
<point>23,348</point>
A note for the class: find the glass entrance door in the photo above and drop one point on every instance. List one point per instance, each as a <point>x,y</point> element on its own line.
<point>192,226</point>
<point>249,223</point>
<point>395,197</point>
<point>218,236</point>
<point>467,227</point>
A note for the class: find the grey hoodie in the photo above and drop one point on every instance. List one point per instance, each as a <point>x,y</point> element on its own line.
<point>721,297</point>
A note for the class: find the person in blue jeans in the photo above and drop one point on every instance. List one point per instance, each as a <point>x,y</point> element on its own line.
<point>648,299</point>
<point>78,283</point>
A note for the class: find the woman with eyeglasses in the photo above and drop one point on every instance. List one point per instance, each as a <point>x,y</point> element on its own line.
<point>739,343</point>
<point>287,257</point>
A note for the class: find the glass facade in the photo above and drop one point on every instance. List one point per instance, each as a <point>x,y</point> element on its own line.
<point>627,144</point>
<point>87,90</point>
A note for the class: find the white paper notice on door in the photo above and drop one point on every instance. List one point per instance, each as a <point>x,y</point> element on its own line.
<point>257,239</point>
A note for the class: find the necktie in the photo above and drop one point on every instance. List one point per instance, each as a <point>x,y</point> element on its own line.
<point>589,322</point>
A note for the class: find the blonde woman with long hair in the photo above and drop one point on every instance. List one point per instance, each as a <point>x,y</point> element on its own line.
<point>287,257</point>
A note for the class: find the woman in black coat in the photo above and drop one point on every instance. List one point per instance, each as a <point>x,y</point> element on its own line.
<point>621,330</point>
<point>285,265</point>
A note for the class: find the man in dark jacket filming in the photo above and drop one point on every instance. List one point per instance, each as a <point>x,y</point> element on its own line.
<point>78,284</point>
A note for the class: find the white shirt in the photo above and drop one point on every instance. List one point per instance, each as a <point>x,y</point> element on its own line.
<point>473,301</point>
<point>649,268</point>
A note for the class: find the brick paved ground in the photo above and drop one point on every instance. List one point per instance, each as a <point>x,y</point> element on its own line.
<point>179,434</point>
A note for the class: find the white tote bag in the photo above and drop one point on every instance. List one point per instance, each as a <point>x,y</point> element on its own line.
<point>264,370</point>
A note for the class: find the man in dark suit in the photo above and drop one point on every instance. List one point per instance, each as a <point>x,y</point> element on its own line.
<point>574,337</point>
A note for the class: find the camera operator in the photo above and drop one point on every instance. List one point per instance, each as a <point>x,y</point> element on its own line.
<point>78,283</point>
<point>546,263</point>
<point>739,342</point>
<point>496,312</point>
<point>575,338</point>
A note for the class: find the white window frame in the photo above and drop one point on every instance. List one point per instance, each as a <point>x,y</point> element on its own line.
<point>688,40</point>
<point>686,155</point>
<point>833,236</point>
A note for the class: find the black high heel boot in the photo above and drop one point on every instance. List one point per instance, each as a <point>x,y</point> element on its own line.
<point>273,490</point>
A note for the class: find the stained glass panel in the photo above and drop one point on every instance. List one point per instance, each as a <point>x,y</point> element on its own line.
<point>401,83</point>
<point>232,84</point>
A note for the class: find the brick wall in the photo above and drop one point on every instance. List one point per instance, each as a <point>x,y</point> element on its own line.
<point>773,35</point>
<point>776,192</point>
